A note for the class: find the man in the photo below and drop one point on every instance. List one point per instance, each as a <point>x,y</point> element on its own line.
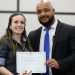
<point>61,37</point>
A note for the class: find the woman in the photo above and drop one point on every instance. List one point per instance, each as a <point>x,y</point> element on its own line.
<point>14,40</point>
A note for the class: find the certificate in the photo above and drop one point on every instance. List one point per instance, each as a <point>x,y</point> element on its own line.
<point>34,61</point>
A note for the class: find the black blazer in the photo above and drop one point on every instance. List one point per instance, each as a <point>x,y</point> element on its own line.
<point>63,49</point>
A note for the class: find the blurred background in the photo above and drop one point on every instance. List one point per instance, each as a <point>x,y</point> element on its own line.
<point>64,11</point>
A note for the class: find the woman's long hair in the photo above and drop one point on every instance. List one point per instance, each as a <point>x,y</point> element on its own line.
<point>9,33</point>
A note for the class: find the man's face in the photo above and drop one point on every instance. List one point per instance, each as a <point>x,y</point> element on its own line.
<point>45,13</point>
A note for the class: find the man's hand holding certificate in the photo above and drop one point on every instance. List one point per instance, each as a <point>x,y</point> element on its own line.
<point>34,61</point>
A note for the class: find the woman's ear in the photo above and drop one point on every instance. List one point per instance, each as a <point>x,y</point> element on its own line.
<point>10,27</point>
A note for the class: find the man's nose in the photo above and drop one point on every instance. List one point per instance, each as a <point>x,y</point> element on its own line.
<point>42,13</point>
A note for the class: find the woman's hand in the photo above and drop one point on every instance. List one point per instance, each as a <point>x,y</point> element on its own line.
<point>26,73</point>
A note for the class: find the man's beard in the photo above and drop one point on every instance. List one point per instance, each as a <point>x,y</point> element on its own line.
<point>48,23</point>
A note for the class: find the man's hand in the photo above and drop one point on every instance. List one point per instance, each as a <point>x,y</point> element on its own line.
<point>52,63</point>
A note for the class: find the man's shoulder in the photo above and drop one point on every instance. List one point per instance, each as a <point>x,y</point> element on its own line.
<point>65,25</point>
<point>35,31</point>
<point>66,28</point>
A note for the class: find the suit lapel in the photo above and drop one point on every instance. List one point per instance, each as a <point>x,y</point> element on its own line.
<point>57,36</point>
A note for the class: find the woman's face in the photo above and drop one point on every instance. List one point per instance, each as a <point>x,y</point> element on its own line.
<point>18,24</point>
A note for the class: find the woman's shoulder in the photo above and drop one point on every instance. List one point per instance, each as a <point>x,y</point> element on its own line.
<point>4,39</point>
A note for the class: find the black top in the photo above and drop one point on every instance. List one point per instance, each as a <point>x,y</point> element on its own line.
<point>7,56</point>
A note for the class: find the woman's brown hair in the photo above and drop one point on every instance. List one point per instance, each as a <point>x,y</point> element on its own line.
<point>9,33</point>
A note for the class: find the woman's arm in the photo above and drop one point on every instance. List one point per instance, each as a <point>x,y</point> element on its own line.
<point>4,71</point>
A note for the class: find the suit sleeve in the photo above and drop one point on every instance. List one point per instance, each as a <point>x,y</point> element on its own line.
<point>69,61</point>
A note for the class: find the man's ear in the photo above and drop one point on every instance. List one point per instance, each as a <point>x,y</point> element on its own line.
<point>53,9</point>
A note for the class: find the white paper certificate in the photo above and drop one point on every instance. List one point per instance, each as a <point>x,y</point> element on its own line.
<point>34,61</point>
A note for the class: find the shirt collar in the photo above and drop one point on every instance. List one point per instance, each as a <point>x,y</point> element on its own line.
<point>54,25</point>
<point>22,39</point>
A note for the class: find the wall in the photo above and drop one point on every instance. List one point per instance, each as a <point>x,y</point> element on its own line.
<point>65,12</point>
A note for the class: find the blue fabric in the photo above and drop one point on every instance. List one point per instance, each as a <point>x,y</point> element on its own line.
<point>46,49</point>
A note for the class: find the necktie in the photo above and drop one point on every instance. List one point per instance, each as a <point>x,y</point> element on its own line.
<point>46,49</point>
